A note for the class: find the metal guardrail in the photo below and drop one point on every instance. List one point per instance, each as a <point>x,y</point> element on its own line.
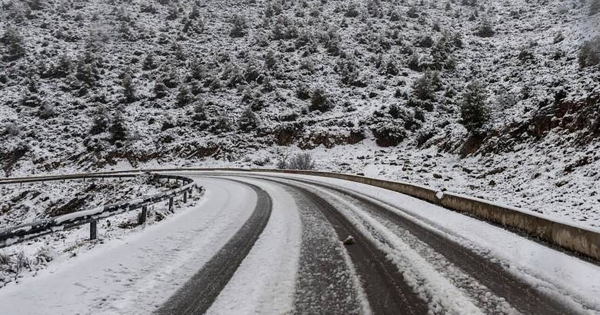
<point>20,233</point>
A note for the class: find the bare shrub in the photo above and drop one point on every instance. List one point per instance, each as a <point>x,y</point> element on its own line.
<point>506,100</point>
<point>11,129</point>
<point>47,111</point>
<point>5,260</point>
<point>22,262</point>
<point>43,255</point>
<point>301,161</point>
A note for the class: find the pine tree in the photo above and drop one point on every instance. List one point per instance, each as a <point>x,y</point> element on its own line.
<point>248,121</point>
<point>414,62</point>
<point>160,89</point>
<point>36,5</point>
<point>240,26</point>
<point>46,110</point>
<point>128,88</point>
<point>197,69</point>
<point>117,129</point>
<point>486,29</point>
<point>271,60</point>
<point>63,68</point>
<point>474,111</point>
<point>149,62</point>
<point>100,121</point>
<point>87,70</point>
<point>425,86</point>
<point>14,43</point>
<point>184,96</point>
<point>173,13</point>
<point>171,77</point>
<point>422,88</point>
<point>32,85</point>
<point>199,111</point>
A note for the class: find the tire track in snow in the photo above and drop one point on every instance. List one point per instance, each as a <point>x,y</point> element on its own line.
<point>327,282</point>
<point>198,294</point>
<point>383,283</point>
<point>517,293</point>
<point>264,283</point>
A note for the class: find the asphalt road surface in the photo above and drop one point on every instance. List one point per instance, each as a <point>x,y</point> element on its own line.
<point>359,277</point>
<point>291,244</point>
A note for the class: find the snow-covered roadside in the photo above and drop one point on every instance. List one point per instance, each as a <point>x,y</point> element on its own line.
<point>567,278</point>
<point>49,199</point>
<point>265,281</point>
<point>135,274</point>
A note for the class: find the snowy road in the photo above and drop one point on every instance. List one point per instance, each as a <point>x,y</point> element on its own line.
<point>266,244</point>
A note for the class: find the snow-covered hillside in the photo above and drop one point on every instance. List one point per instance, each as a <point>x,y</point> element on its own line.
<point>372,87</point>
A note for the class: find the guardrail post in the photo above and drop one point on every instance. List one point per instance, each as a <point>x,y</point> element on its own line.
<point>93,230</point>
<point>185,196</point>
<point>171,204</point>
<point>143,215</point>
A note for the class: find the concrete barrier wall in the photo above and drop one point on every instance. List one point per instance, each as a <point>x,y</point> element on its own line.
<point>572,238</point>
<point>576,239</point>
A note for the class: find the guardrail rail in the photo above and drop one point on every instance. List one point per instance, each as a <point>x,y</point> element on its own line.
<point>27,231</point>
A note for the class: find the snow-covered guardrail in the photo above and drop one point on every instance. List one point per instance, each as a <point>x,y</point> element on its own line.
<point>566,235</point>
<point>39,228</point>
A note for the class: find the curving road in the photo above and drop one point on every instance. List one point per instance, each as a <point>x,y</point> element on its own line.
<point>273,244</point>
